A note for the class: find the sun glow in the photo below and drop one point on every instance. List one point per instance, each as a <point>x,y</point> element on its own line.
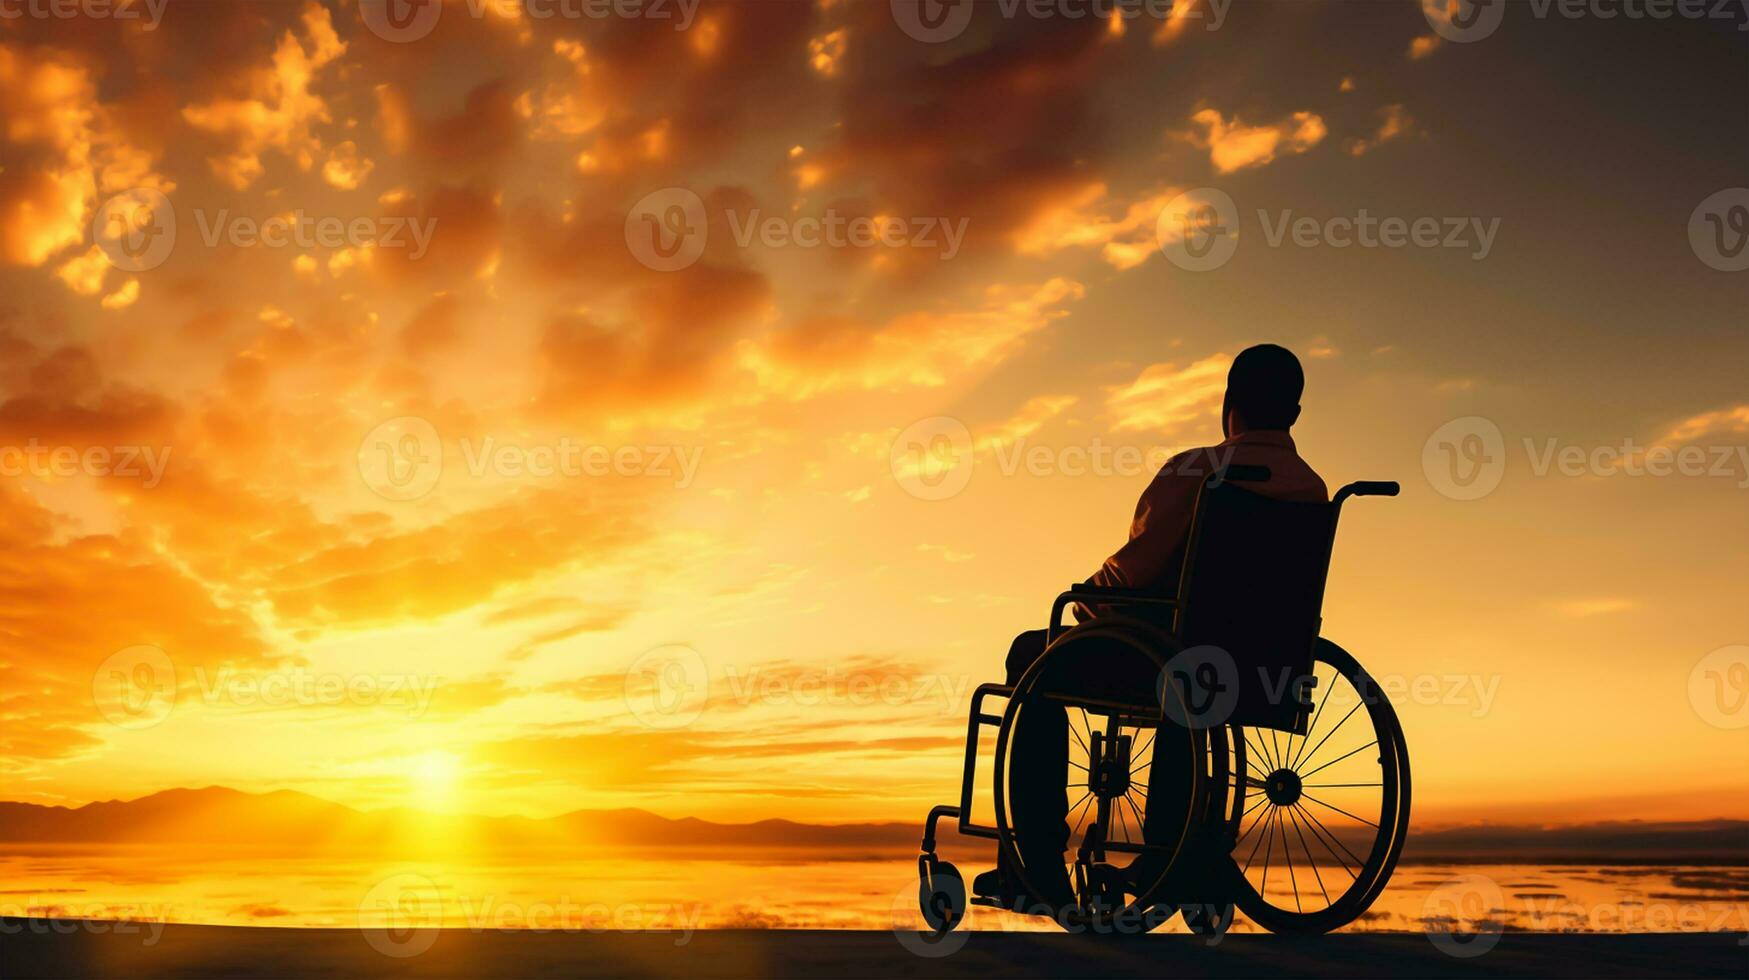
<point>433,779</point>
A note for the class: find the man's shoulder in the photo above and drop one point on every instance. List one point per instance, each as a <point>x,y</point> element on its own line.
<point>1194,464</point>
<point>1307,484</point>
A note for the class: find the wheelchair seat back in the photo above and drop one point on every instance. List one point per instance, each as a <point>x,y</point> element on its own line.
<point>1253,586</point>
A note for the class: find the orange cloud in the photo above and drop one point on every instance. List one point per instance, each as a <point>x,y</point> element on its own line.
<point>1165,398</point>
<point>1394,123</point>
<point>280,110</point>
<point>1734,420</point>
<point>58,149</point>
<point>1233,145</point>
<point>1086,219</point>
<point>921,349</point>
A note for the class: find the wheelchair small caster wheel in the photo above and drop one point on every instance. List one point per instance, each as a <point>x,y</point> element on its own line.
<point>1208,921</point>
<point>941,895</point>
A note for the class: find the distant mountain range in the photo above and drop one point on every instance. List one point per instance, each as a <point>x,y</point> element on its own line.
<point>218,815</point>
<point>292,822</point>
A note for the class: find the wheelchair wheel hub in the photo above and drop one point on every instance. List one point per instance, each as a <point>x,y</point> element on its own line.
<point>1283,787</point>
<point>1108,765</point>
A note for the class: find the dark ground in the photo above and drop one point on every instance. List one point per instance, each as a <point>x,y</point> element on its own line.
<point>33,948</point>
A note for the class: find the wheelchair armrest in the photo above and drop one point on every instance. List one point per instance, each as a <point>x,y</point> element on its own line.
<point>1104,595</point>
<point>1084,590</point>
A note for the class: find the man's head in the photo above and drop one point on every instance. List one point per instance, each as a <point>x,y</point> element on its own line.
<point>1263,390</point>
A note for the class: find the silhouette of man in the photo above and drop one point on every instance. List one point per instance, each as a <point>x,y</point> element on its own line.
<point>1262,403</point>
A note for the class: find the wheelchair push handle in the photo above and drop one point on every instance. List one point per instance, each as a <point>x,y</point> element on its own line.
<point>1369,488</point>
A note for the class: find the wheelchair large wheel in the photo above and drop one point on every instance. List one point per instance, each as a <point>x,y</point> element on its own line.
<point>1325,814</point>
<point>1098,681</point>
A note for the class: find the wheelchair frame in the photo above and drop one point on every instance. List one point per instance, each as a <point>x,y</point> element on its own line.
<point>1093,595</point>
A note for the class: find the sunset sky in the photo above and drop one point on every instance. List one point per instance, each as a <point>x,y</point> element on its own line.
<point>474,633</point>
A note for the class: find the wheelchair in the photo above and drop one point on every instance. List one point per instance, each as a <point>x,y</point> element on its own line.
<point>1280,771</point>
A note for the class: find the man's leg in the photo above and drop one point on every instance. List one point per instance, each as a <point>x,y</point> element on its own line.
<point>1169,776</point>
<point>1039,767</point>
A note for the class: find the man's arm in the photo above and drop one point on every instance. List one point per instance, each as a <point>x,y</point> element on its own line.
<point>1157,532</point>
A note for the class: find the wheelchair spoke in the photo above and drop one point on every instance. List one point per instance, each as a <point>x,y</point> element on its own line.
<point>1268,815</point>
<point>1343,864</point>
<point>1315,716</point>
<point>1308,759</point>
<point>1080,809</point>
<point>1309,858</point>
<point>1252,765</point>
<point>1339,758</point>
<point>1141,829</point>
<point>1336,785</point>
<point>1288,858</point>
<point>1268,851</point>
<point>1338,809</point>
<point>1319,825</point>
<point>1261,800</point>
<point>1077,734</point>
<point>1136,753</point>
<point>1077,803</point>
<point>1260,752</point>
<point>1260,818</point>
